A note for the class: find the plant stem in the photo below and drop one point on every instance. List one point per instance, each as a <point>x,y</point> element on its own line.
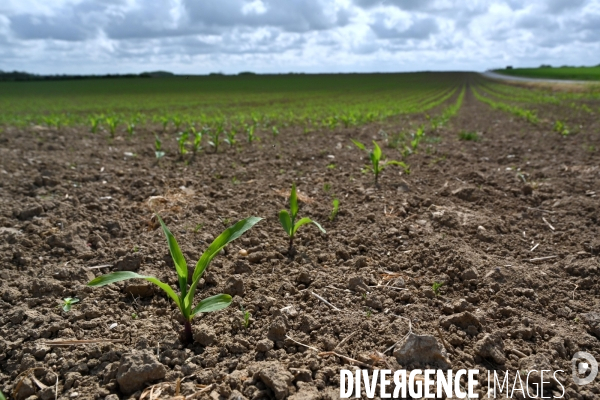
<point>290,250</point>
<point>189,336</point>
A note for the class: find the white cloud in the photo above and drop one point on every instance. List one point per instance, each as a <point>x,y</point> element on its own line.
<point>191,36</point>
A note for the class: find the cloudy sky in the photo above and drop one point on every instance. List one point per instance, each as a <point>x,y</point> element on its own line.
<point>272,36</point>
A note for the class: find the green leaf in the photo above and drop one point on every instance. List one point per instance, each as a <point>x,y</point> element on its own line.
<point>305,221</point>
<point>399,163</point>
<point>2,396</point>
<point>293,203</point>
<point>359,144</point>
<point>178,259</point>
<point>213,303</point>
<point>229,235</point>
<point>286,222</point>
<point>113,277</point>
<point>376,150</point>
<point>319,226</point>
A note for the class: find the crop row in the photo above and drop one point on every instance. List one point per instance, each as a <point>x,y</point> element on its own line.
<point>529,115</point>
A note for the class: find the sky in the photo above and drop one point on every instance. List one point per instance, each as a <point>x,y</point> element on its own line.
<point>281,36</point>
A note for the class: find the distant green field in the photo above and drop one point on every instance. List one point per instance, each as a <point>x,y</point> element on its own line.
<point>574,73</point>
<point>314,100</point>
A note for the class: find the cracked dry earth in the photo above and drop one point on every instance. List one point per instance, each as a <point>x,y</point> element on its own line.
<point>508,224</point>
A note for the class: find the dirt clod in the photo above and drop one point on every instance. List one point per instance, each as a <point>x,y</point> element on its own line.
<point>277,378</point>
<point>421,350</point>
<point>138,368</point>
<point>492,347</point>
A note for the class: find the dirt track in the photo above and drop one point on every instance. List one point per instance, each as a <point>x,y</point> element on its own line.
<point>472,215</point>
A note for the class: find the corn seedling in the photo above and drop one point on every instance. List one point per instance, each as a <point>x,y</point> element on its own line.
<point>187,287</point>
<point>561,128</point>
<point>158,148</point>
<point>177,121</point>
<point>230,139</point>
<point>436,287</point>
<point>326,187</point>
<point>112,123</point>
<point>130,128</point>
<point>164,121</point>
<point>468,136</point>
<point>417,136</point>
<point>334,212</point>
<point>181,141</point>
<point>215,135</point>
<point>67,302</point>
<point>251,133</point>
<point>288,219</point>
<point>95,123</point>
<point>246,315</point>
<point>197,143</point>
<point>275,131</point>
<point>377,165</point>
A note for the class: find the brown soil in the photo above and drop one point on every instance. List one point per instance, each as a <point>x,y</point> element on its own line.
<point>468,215</point>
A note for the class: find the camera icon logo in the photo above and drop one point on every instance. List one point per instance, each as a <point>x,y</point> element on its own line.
<point>582,367</point>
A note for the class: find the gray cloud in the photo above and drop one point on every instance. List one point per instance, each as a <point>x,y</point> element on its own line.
<point>409,5</point>
<point>559,6</point>
<point>419,29</point>
<point>99,36</point>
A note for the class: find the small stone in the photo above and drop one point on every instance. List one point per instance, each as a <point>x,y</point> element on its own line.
<point>243,253</point>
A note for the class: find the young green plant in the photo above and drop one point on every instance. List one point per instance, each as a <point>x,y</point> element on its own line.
<point>181,141</point>
<point>112,123</point>
<point>246,315</point>
<point>187,287</point>
<point>230,139</point>
<point>67,303</point>
<point>158,148</point>
<point>377,159</point>
<point>197,143</point>
<point>288,219</point>
<point>334,212</point>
